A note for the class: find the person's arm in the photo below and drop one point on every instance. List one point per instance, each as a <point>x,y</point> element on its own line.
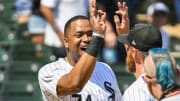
<point>110,36</point>
<point>48,14</point>
<point>74,81</point>
<point>123,26</point>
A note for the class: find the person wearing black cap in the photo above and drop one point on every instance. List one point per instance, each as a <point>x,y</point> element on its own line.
<point>140,39</point>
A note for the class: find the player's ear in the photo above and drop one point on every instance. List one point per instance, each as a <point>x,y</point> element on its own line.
<point>66,45</point>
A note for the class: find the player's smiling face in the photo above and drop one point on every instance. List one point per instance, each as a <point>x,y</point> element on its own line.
<point>79,36</point>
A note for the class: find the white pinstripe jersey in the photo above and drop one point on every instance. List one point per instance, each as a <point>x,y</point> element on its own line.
<point>138,91</point>
<point>102,85</point>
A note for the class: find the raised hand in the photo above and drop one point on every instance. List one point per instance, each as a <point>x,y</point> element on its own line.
<point>123,26</point>
<point>97,18</point>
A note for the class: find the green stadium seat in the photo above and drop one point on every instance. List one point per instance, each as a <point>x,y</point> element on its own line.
<point>7,16</point>
<point>22,91</point>
<point>4,67</point>
<point>2,81</point>
<point>32,52</point>
<point>7,38</point>
<point>24,70</point>
<point>4,60</point>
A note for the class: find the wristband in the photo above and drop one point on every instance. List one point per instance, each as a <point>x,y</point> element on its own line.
<point>96,34</point>
<point>95,45</point>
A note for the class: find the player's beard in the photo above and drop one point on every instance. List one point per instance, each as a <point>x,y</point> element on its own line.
<point>130,63</point>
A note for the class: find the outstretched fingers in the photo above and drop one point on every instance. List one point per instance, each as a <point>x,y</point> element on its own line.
<point>122,9</point>
<point>117,21</point>
<point>102,18</point>
<point>122,26</point>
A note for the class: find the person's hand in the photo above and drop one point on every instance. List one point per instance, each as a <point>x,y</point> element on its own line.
<point>97,18</point>
<point>123,26</point>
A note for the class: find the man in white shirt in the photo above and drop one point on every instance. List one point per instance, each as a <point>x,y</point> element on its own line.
<point>79,76</point>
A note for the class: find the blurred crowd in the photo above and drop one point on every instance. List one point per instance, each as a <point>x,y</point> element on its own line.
<point>45,21</point>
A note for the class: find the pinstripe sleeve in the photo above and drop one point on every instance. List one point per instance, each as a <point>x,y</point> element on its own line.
<point>48,78</point>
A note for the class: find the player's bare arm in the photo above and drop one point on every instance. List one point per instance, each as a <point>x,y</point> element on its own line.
<point>123,26</point>
<point>74,81</point>
<point>48,13</point>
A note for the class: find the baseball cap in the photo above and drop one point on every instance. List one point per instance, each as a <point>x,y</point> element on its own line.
<point>159,64</point>
<point>142,37</point>
<point>157,7</point>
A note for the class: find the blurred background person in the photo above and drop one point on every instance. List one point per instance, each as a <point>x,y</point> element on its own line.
<point>162,75</point>
<point>23,10</point>
<point>37,23</point>
<point>157,15</point>
<point>57,12</point>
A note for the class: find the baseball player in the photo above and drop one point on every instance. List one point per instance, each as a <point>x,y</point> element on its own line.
<point>162,75</point>
<point>79,77</point>
<point>141,38</point>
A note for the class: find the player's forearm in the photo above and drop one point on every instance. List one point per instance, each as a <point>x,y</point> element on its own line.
<point>74,81</point>
<point>48,13</point>
<point>83,69</point>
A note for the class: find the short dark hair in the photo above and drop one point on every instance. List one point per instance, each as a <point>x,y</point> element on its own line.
<point>68,23</point>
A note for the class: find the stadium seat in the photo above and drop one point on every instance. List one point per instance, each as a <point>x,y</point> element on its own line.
<point>7,38</point>
<point>4,60</point>
<point>24,70</point>
<point>22,91</point>
<point>7,15</point>
<point>2,81</point>
<point>32,52</point>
